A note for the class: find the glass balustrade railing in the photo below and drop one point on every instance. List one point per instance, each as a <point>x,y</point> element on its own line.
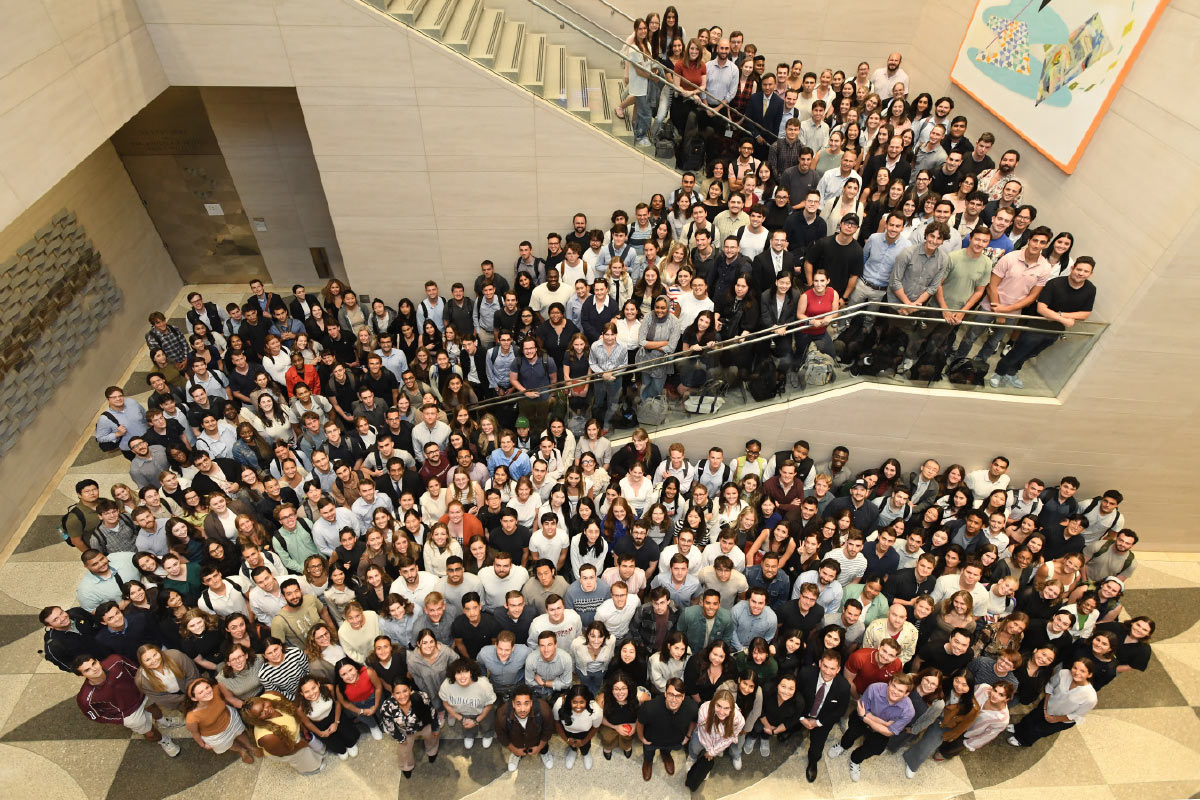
<point>552,49</point>
<point>880,344</point>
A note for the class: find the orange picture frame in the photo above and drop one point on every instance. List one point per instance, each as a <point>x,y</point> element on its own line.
<point>1069,165</point>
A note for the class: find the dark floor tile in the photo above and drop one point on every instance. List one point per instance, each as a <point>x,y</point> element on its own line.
<point>136,383</point>
<point>1150,689</point>
<point>166,776</point>
<point>63,720</point>
<point>91,453</point>
<point>999,761</point>
<point>16,626</point>
<point>1173,610</point>
<point>43,532</point>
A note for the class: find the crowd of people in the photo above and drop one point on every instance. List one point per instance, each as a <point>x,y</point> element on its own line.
<point>346,518</point>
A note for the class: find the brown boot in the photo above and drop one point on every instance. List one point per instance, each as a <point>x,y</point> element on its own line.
<point>668,763</point>
<point>647,770</point>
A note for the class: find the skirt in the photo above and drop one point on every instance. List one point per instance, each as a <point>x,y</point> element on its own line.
<point>221,742</point>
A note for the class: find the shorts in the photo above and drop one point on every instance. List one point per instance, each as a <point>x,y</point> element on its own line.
<point>139,721</point>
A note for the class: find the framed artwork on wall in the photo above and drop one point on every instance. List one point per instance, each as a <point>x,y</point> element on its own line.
<point>1050,68</point>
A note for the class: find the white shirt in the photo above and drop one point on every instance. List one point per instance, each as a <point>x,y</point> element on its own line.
<point>416,595</point>
<point>232,602</point>
<point>690,308</point>
<point>694,556</point>
<point>617,619</point>
<point>981,485</point>
<point>713,551</point>
<point>549,549</point>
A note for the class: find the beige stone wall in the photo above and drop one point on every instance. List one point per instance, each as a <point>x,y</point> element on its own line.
<point>429,163</point>
<point>266,148</point>
<point>99,192</point>
<point>71,73</point>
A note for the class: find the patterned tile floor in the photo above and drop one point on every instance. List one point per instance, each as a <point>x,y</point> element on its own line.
<point>1142,743</point>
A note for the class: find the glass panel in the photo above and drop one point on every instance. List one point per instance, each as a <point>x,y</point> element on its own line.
<point>872,344</point>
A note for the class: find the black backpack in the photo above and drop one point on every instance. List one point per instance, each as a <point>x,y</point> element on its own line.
<point>932,356</point>
<point>691,155</point>
<point>967,371</point>
<point>765,380</point>
<point>885,355</point>
<point>73,511</point>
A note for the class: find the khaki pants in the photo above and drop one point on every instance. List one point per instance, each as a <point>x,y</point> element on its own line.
<point>405,751</point>
<point>610,740</point>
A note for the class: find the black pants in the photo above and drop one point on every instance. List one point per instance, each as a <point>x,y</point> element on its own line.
<point>817,738</point>
<point>341,740</point>
<point>1034,726</point>
<point>649,751</point>
<point>873,744</point>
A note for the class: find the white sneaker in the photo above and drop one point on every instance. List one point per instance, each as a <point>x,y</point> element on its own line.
<point>748,747</point>
<point>569,761</point>
<point>736,756</point>
<point>487,742</point>
<point>1016,382</point>
<point>906,365</point>
<point>1014,741</point>
<point>996,380</point>
<point>587,761</point>
<point>854,772</point>
<point>343,756</point>
<point>548,760</point>
<point>908,773</point>
<point>513,760</point>
<point>643,142</point>
<point>764,747</point>
<point>169,747</point>
<point>836,750</point>
<point>376,734</point>
<point>352,751</point>
<point>468,744</point>
<point>1010,729</point>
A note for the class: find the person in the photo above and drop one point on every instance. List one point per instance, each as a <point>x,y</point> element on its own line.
<point>524,725</point>
<point>213,724</point>
<point>322,716</point>
<point>824,698</point>
<point>1069,697</point>
<point>719,723</point>
<point>407,716</point>
<point>359,692</point>
<point>577,718</point>
<point>883,711</point>
<point>275,727</point>
<point>110,695</point>
<point>664,724</point>
<point>468,698</point>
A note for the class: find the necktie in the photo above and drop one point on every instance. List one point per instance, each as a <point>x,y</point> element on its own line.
<point>766,103</point>
<point>820,698</point>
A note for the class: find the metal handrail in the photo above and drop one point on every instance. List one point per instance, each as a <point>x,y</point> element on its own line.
<point>651,74</point>
<point>614,9</point>
<point>863,309</point>
<point>588,19</point>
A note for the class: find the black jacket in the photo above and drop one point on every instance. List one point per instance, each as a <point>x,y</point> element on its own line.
<point>762,270</point>
<point>837,701</point>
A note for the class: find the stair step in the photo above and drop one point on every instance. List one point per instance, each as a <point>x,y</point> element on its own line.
<point>435,18</point>
<point>486,40</point>
<point>597,106</point>
<point>620,127</point>
<point>462,24</point>
<point>533,62</point>
<point>508,56</point>
<point>553,87</point>
<point>403,10</point>
<point>576,80</point>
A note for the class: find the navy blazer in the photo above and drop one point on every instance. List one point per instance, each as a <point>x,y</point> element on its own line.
<point>764,125</point>
<point>836,703</point>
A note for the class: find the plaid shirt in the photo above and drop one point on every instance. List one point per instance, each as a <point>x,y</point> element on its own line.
<point>172,342</point>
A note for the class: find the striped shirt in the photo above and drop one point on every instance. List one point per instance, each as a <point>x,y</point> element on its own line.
<point>284,677</point>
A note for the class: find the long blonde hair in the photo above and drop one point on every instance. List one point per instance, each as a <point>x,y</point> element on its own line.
<point>152,679</point>
<point>712,721</point>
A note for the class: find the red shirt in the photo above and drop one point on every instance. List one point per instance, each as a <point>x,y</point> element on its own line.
<point>867,670</point>
<point>116,698</point>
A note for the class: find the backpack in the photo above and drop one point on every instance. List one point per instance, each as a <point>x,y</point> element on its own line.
<point>577,424</point>
<point>709,400</point>
<point>691,157</point>
<point>818,368</point>
<point>664,149</point>
<point>762,384</point>
<point>885,356</point>
<point>652,411</point>
<point>1118,523</point>
<point>931,358</point>
<point>967,371</point>
<point>72,511</point>
<point>108,447</point>
<point>855,341</point>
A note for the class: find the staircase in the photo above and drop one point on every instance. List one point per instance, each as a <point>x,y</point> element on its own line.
<point>587,87</point>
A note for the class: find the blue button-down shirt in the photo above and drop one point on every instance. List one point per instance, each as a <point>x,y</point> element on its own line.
<point>878,258</point>
<point>722,82</point>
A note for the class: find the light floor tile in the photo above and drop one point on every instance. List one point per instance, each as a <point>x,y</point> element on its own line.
<point>92,764</point>
<point>1130,745</point>
<point>20,765</point>
<point>1179,659</point>
<point>1165,575</point>
<point>1067,747</point>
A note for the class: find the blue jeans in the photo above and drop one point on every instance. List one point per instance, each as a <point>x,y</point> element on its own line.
<point>651,385</point>
<point>997,333</point>
<point>1025,348</point>
<point>605,397</point>
<point>642,117</point>
<point>592,680</point>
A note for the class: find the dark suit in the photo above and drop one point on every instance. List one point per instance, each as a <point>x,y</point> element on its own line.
<point>901,171</point>
<point>928,498</point>
<point>411,482</point>
<point>783,346</point>
<point>764,125</point>
<point>834,707</point>
<point>762,270</point>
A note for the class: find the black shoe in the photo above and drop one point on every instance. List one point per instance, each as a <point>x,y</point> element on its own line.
<point>607,755</point>
<point>407,773</point>
<point>811,773</point>
<point>433,758</point>
<point>629,753</point>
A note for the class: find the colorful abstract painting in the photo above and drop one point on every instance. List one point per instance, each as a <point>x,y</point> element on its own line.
<point>1050,68</point>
